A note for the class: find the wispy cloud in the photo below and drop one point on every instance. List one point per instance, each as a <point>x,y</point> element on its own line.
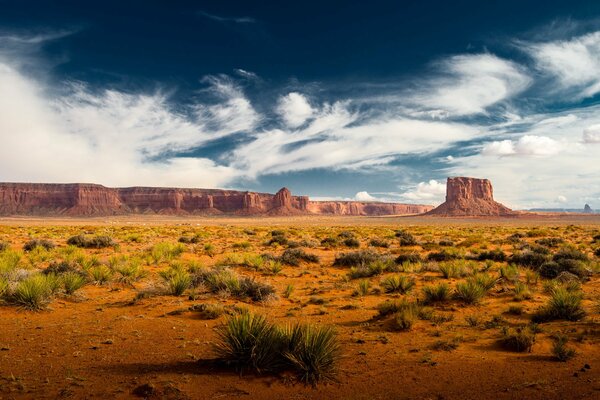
<point>218,18</point>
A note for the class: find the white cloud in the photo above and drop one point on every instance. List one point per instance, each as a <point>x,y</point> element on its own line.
<point>430,191</point>
<point>573,63</point>
<point>561,199</point>
<point>471,84</point>
<point>295,109</point>
<point>364,196</point>
<point>591,134</point>
<point>528,145</point>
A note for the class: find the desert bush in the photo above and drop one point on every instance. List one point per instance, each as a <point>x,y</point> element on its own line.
<point>329,242</point>
<point>363,287</point>
<point>374,268</point>
<point>72,282</point>
<point>312,351</point>
<point>509,273</point>
<point>568,253</point>
<point>165,251</point>
<point>397,284</point>
<point>294,256</point>
<point>100,274</point>
<point>35,291</point>
<point>529,259</point>
<point>563,304</point>
<point>32,244</point>
<point>189,239</point>
<point>278,237</point>
<point>95,242</point>
<point>446,243</point>
<point>3,286</point>
<point>352,242</point>
<point>62,267</point>
<point>272,267</point>
<point>436,293</point>
<point>404,320</point>
<point>408,257</point>
<point>560,350</point>
<point>242,245</point>
<point>494,255</point>
<point>519,340</point>
<point>405,238</point>
<point>346,235</point>
<point>443,255</point>
<point>4,246</point>
<point>177,279</point>
<point>550,242</point>
<point>379,243</point>
<point>248,342</point>
<point>453,270</point>
<point>129,272</point>
<point>223,279</point>
<point>389,307</point>
<point>521,292</point>
<point>209,311</point>
<point>357,258</point>
<point>469,291</point>
<point>486,281</point>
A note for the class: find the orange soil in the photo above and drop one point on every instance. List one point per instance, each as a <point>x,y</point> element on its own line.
<point>97,345</point>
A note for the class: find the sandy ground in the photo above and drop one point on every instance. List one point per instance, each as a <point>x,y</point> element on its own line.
<point>97,344</point>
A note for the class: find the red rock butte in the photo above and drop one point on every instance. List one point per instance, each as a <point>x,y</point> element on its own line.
<point>82,199</point>
<point>470,197</point>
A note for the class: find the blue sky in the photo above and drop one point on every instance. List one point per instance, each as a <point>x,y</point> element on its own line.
<point>377,100</point>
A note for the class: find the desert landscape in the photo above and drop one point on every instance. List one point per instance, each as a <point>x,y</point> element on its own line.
<point>416,306</point>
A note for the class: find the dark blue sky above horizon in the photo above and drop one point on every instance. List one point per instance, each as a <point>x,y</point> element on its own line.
<point>373,100</point>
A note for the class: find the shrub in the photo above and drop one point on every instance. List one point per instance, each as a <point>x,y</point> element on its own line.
<point>218,280</point>
<point>278,237</point>
<point>100,274</point>
<point>34,292</point>
<point>486,281</point>
<point>62,267</point>
<point>352,242</point>
<point>570,254</point>
<point>519,340</point>
<point>379,243</point>
<point>453,270</point>
<point>550,269</point>
<point>442,256</point>
<point>469,291</point>
<point>32,244</point>
<point>178,280</point>
<point>563,304</point>
<point>397,284</point>
<point>446,243</point>
<point>550,242</point>
<point>357,258</point>
<point>408,257</point>
<point>96,242</point>
<point>522,292</point>
<point>72,282</point>
<point>560,349</point>
<point>329,242</point>
<point>529,259</point>
<point>437,293</point>
<point>128,273</point>
<point>389,307</point>
<point>3,286</point>
<point>209,311</point>
<point>189,239</point>
<point>405,238</point>
<point>312,351</point>
<point>375,268</point>
<point>363,288</point>
<point>404,320</point>
<point>346,235</point>
<point>4,246</point>
<point>248,342</point>
<point>494,255</point>
<point>294,256</point>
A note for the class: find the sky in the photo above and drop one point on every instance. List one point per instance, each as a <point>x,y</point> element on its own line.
<point>373,101</point>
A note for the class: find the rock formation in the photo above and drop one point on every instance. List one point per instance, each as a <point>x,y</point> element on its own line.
<point>587,209</point>
<point>96,200</point>
<point>470,197</point>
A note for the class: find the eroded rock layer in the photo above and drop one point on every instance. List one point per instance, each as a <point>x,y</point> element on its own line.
<point>80,199</point>
<point>470,197</point>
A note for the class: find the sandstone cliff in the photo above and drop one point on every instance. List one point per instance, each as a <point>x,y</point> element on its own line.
<point>470,197</point>
<point>96,200</point>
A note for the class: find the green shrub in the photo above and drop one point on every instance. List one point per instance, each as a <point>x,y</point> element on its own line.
<point>352,242</point>
<point>130,272</point>
<point>529,259</point>
<point>560,350</point>
<point>72,282</point>
<point>287,292</point>
<point>178,280</point>
<point>405,238</point>
<point>34,292</point>
<point>248,342</point>
<point>222,279</point>
<point>363,287</point>
<point>397,284</point>
<point>443,255</point>
<point>550,242</point>
<point>453,270</point>
<point>294,256</point>
<point>494,255</point>
<point>165,251</point>
<point>469,291</point>
<point>521,292</point>
<point>32,244</point>
<point>379,243</point>
<point>408,257</point>
<point>437,293</point>
<point>95,242</point>
<point>563,304</point>
<point>375,268</point>
<point>4,246</point>
<point>519,340</point>
<point>357,258</point>
<point>100,274</point>
<point>404,320</point>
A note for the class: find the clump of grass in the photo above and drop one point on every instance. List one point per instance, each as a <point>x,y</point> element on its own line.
<point>454,269</point>
<point>389,307</point>
<point>242,245</point>
<point>404,319</point>
<point>519,340</point>
<point>472,290</point>
<point>95,242</point>
<point>560,350</point>
<point>493,255</point>
<point>364,287</point>
<point>374,268</point>
<point>190,239</point>
<point>436,293</point>
<point>294,256</point>
<point>72,282</point>
<point>357,258</point>
<point>4,246</point>
<point>287,292</point>
<point>44,243</point>
<point>165,251</point>
<point>413,258</point>
<point>129,272</point>
<point>521,292</point>
<point>34,292</point>
<point>225,280</point>
<point>563,304</point>
<point>443,255</point>
<point>3,286</point>
<point>209,311</point>
<point>100,274</point>
<point>405,238</point>
<point>273,267</point>
<point>278,237</point>
<point>352,242</point>
<point>379,243</point>
<point>177,279</point>
<point>397,284</point>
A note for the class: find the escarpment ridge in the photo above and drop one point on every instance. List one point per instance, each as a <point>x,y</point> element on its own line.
<point>84,199</point>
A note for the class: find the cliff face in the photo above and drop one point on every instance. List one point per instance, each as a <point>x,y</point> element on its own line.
<point>470,197</point>
<point>97,200</point>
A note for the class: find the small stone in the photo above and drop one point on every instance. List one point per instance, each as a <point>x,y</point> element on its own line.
<point>145,390</point>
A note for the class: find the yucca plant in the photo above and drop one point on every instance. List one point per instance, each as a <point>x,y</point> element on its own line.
<point>469,291</point>
<point>397,284</point>
<point>248,342</point>
<point>3,287</point>
<point>486,281</point>
<point>404,319</point>
<point>313,351</point>
<point>72,282</point>
<point>519,340</point>
<point>287,292</point>
<point>389,307</point>
<point>437,293</point>
<point>522,292</point>
<point>178,280</point>
<point>34,292</point>
<point>130,272</point>
<point>563,304</point>
<point>560,349</point>
<point>363,287</point>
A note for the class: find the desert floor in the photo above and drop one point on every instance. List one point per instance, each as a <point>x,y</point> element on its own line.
<point>106,340</point>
